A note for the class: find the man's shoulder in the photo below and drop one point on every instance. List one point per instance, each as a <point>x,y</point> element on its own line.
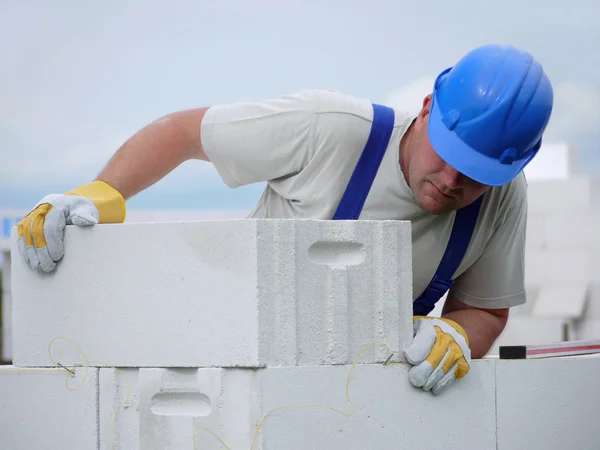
<point>331,101</point>
<point>509,198</point>
<point>514,192</point>
<point>331,105</point>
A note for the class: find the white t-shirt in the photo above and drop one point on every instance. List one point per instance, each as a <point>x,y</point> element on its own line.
<point>306,145</point>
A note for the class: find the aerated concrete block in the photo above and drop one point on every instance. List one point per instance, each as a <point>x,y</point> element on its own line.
<point>594,218</point>
<point>573,231</point>
<point>547,268</point>
<point>46,409</point>
<point>6,323</point>
<point>219,294</point>
<point>592,310</point>
<point>6,355</point>
<point>169,408</point>
<point>571,195</point>
<point>587,329</point>
<point>536,232</point>
<point>552,404</point>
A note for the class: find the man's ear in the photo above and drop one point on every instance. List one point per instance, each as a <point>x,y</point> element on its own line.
<point>424,110</point>
<point>427,103</point>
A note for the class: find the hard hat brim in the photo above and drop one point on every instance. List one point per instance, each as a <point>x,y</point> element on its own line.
<point>464,159</point>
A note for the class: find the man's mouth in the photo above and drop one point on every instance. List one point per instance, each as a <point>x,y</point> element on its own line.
<point>441,193</point>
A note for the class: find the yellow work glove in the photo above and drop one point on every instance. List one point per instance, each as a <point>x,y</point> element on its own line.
<point>439,352</point>
<point>41,231</point>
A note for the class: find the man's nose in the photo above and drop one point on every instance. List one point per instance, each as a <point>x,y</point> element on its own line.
<point>452,178</point>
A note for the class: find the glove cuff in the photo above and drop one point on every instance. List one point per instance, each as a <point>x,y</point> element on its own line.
<point>458,328</point>
<point>450,322</point>
<point>109,202</point>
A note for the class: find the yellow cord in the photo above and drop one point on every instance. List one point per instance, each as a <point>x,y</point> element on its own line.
<point>86,363</point>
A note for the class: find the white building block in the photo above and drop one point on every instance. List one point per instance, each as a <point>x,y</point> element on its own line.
<point>592,310</point>
<point>559,195</point>
<point>594,241</point>
<point>548,268</point>
<point>555,160</point>
<point>6,355</point>
<point>167,407</point>
<point>595,265</point>
<point>220,293</point>
<point>6,325</point>
<point>587,329</point>
<point>552,404</point>
<point>38,409</point>
<point>572,231</point>
<point>536,232</point>
<point>563,301</point>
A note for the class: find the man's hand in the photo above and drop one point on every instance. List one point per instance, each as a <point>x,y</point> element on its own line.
<point>41,232</point>
<point>439,353</point>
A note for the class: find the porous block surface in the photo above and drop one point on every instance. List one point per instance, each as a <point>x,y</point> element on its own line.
<point>169,408</point>
<point>41,409</point>
<point>222,293</point>
<point>6,351</point>
<point>552,403</point>
<point>6,323</point>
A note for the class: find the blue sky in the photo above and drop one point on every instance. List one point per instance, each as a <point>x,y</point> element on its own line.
<point>78,78</point>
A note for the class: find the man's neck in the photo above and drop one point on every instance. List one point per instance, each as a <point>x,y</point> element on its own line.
<point>405,149</point>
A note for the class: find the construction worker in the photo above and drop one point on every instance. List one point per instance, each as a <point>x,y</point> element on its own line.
<point>452,168</point>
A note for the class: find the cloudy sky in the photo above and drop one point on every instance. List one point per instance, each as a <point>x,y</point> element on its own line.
<point>78,78</point>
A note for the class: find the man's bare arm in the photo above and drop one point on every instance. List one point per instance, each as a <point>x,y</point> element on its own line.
<point>154,151</point>
<point>483,326</point>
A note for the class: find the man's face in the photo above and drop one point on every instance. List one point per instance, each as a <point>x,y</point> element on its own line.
<point>438,188</point>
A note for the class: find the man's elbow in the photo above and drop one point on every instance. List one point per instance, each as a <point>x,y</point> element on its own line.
<point>188,123</point>
<point>502,320</point>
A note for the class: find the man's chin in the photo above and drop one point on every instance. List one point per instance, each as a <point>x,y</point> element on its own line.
<point>436,206</point>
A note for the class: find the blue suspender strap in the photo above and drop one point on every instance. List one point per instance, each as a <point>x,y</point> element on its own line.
<point>364,173</point>
<point>358,188</point>
<point>462,230</point>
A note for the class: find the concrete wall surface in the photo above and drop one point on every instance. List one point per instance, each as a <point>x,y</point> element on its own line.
<point>219,293</point>
<point>550,404</point>
<point>46,409</point>
<point>6,347</point>
<point>385,412</point>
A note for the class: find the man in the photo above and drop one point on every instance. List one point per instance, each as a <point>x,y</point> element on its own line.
<point>456,163</point>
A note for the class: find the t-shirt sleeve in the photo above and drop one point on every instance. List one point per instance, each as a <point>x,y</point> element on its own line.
<point>251,142</point>
<point>497,279</point>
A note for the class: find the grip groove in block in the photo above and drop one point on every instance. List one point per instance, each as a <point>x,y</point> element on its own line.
<point>224,293</point>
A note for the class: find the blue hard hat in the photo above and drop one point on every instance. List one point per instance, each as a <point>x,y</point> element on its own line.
<point>488,113</point>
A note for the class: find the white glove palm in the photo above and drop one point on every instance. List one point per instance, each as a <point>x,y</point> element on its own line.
<point>41,232</point>
<point>439,352</point>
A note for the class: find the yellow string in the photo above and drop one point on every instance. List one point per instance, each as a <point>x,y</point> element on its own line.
<point>314,405</point>
<point>86,363</point>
